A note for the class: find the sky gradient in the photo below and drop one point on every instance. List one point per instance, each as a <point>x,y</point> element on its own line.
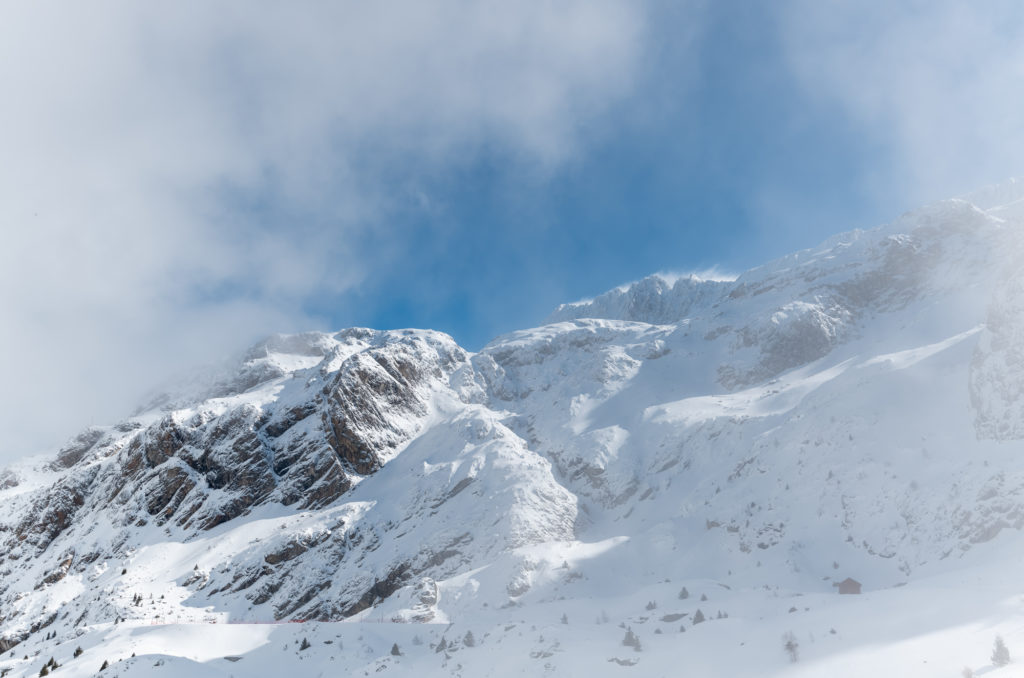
<point>177,184</point>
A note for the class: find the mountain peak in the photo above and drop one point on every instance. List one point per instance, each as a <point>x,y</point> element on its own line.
<point>657,299</point>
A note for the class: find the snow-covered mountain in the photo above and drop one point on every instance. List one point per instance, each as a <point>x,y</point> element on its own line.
<point>672,451</point>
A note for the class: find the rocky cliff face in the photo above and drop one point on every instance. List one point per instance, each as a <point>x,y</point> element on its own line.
<point>305,421</point>
<point>837,404</point>
<point>997,371</point>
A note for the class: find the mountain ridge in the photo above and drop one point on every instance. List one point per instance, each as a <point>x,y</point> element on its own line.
<point>750,433</point>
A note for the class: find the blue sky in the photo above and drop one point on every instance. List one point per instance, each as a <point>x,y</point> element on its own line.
<point>669,181</point>
<point>674,176</point>
<point>180,181</point>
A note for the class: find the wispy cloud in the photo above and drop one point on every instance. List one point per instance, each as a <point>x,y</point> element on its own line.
<point>177,179</point>
<point>934,85</point>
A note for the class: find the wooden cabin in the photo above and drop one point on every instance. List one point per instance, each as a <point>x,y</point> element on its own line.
<point>848,586</point>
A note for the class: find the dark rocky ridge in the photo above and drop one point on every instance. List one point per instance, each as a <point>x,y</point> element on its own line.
<point>198,468</point>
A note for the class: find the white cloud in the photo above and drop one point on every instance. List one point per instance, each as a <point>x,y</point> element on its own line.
<point>139,139</point>
<point>934,83</point>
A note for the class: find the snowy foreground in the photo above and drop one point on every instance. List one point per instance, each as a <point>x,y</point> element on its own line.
<point>669,479</point>
<point>935,626</point>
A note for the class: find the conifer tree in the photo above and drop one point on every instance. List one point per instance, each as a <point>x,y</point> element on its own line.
<point>631,640</point>
<point>791,647</point>
<point>1000,655</point>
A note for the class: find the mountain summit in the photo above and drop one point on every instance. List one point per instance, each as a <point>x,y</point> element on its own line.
<point>679,469</point>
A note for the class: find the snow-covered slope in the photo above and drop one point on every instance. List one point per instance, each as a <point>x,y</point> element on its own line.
<point>852,410</point>
<point>657,299</point>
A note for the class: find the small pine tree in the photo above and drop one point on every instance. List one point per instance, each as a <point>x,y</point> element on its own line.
<point>79,651</point>
<point>416,640</point>
<point>652,606</point>
<point>684,594</point>
<point>304,645</point>
<point>442,646</point>
<point>703,597</point>
<point>105,665</point>
<point>631,640</point>
<point>395,652</point>
<point>565,618</point>
<point>1000,655</point>
<point>45,671</point>
<point>791,647</point>
<point>698,617</point>
<point>468,640</point>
